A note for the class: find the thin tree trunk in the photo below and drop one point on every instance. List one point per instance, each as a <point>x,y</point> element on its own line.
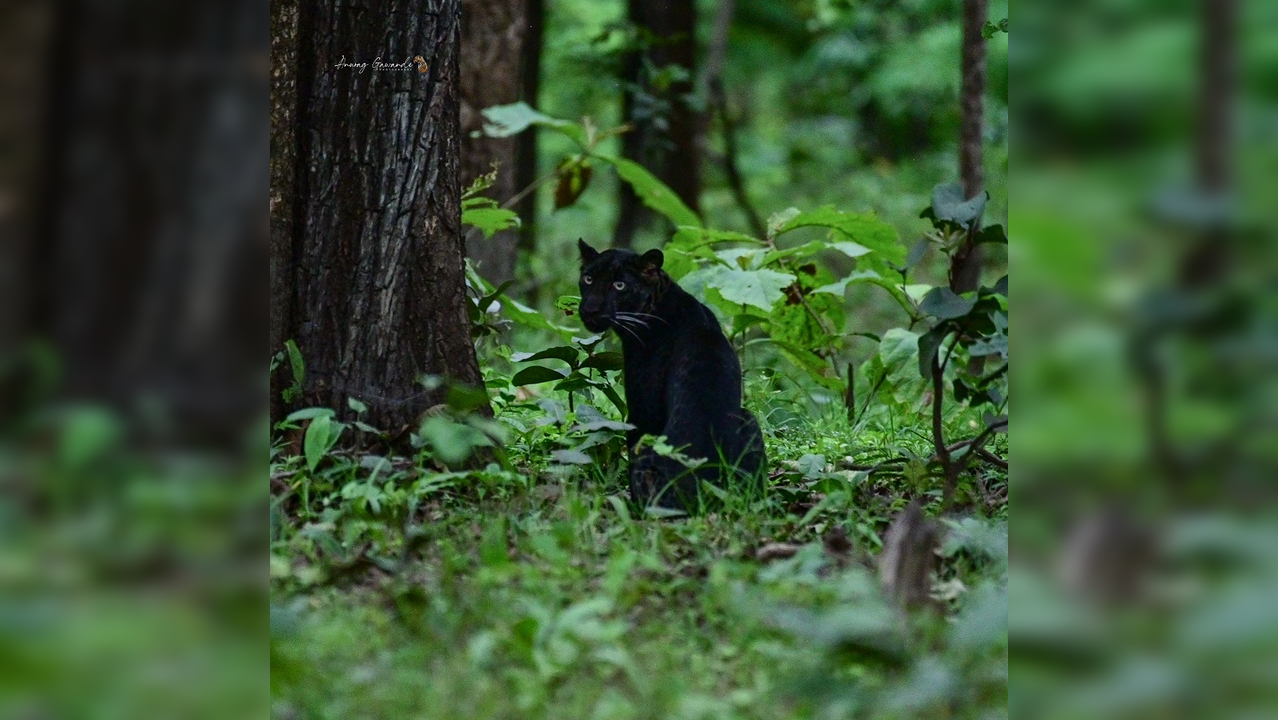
<point>379,267</point>
<point>717,102</point>
<point>1209,259</point>
<point>671,155</point>
<point>526,151</point>
<point>492,42</point>
<point>965,274</point>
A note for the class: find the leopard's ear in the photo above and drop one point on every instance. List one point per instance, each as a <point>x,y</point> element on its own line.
<point>587,253</point>
<point>653,259</point>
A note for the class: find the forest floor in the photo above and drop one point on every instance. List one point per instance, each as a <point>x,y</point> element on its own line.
<point>511,592</point>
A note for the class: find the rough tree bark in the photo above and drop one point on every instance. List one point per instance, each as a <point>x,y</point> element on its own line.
<point>283,166</point>
<point>379,287</point>
<point>965,271</point>
<point>671,155</point>
<point>492,39</point>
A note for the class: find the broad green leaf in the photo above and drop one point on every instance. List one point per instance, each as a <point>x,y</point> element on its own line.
<point>899,354</point>
<point>571,457</point>
<point>296,363</point>
<point>310,414</point>
<point>451,441</point>
<point>357,406</point>
<point>850,249</point>
<point>529,317</point>
<point>991,234</point>
<point>536,374</point>
<point>490,220</point>
<point>944,304</point>
<point>760,288</point>
<point>778,219</point>
<point>567,353</point>
<point>895,289</point>
<point>321,436</point>
<point>812,466</point>
<point>87,433</point>
<point>864,229</point>
<point>740,257</point>
<point>512,119</point>
<point>654,193</point>
<point>996,345</point>
<point>949,204</point>
<point>840,287</point>
<point>804,251</point>
<point>689,236</point>
<point>576,381</point>
<point>604,361</point>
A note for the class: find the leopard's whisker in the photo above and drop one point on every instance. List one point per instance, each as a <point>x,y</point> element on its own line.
<point>622,324</point>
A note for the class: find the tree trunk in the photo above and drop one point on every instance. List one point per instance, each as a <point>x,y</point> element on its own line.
<point>379,286</point>
<point>25,44</point>
<point>153,229</point>
<point>965,270</point>
<point>671,155</point>
<point>526,151</point>
<point>284,71</point>
<point>1209,259</point>
<point>492,42</point>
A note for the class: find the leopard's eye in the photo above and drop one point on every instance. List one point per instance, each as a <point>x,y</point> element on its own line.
<point>619,285</point>
<point>586,279</point>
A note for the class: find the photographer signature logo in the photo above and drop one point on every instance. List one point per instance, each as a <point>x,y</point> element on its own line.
<point>377,65</point>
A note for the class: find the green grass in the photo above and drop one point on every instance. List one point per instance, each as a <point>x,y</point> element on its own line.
<point>525,593</point>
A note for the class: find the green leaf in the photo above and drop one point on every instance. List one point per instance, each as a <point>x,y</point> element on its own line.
<point>996,345</point>
<point>850,249</point>
<point>654,193</point>
<point>760,288</point>
<point>689,236</point>
<point>614,398</point>
<point>357,406</point>
<point>536,374</point>
<point>778,219</point>
<point>734,257</point>
<point>801,252</point>
<point>512,119</point>
<point>812,466</point>
<point>840,287</point>
<point>944,304</point>
<point>321,436</point>
<point>619,507</point>
<point>88,432</point>
<point>309,414</point>
<point>574,382</point>
<point>996,234</point>
<point>864,229</point>
<point>490,220</point>
<point>451,441</point>
<point>604,361</point>
<point>949,204</point>
<point>295,361</point>
<point>571,457</point>
<point>567,353</point>
<point>529,317</point>
<point>899,354</point>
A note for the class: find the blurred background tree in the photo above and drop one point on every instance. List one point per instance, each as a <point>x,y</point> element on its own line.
<point>746,108</point>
